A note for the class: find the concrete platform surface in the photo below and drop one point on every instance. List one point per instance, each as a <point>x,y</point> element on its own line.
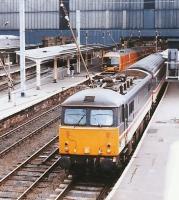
<point>153,172</point>
<point>33,96</point>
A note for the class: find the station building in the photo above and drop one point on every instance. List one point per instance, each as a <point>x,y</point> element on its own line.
<point>100,19</point>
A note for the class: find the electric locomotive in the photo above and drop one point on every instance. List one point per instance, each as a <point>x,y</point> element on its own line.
<point>99,125</point>
<point>117,61</point>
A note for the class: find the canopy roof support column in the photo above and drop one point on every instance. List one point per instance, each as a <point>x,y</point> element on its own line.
<point>68,66</point>
<point>86,57</point>
<point>91,59</point>
<point>55,70</point>
<point>38,84</point>
<point>78,69</point>
<point>102,54</point>
<point>68,63</point>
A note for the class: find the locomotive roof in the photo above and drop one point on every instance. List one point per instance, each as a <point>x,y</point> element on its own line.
<point>112,54</point>
<point>95,97</point>
<point>150,63</point>
<point>119,52</point>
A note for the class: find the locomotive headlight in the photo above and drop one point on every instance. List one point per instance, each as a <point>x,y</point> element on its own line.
<point>108,148</point>
<point>66,147</point>
<point>86,150</point>
<point>100,151</point>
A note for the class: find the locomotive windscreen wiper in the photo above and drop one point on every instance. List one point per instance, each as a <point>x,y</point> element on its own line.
<point>78,123</point>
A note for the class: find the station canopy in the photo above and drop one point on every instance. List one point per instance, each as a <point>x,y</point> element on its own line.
<point>48,53</point>
<point>9,42</point>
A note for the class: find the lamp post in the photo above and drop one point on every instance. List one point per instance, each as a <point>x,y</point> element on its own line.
<point>8,74</point>
<point>139,32</point>
<point>156,41</point>
<point>22,45</point>
<point>131,35</point>
<point>9,80</point>
<point>6,23</point>
<point>109,34</point>
<point>103,36</point>
<point>86,37</point>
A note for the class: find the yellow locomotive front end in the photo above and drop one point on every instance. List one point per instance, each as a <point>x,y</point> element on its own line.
<point>111,62</point>
<point>89,141</point>
<point>89,132</point>
<point>88,136</point>
<point>91,147</point>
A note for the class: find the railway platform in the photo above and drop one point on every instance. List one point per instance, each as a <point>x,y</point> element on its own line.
<point>152,172</point>
<point>34,96</point>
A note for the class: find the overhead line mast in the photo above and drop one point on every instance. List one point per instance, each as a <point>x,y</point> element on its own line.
<point>22,46</point>
<point>109,34</point>
<point>73,35</point>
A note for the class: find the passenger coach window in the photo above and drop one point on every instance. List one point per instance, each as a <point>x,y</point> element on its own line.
<point>101,118</point>
<point>75,116</point>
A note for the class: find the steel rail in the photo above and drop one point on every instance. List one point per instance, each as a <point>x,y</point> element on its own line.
<point>64,191</point>
<point>28,136</point>
<point>41,177</point>
<point>104,190</point>
<point>27,160</point>
<point>28,122</point>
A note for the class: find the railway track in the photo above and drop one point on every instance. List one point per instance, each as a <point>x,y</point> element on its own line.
<point>20,134</point>
<point>25,177</point>
<point>46,122</point>
<point>84,189</point>
<point>22,181</point>
<point>29,76</point>
<point>4,85</point>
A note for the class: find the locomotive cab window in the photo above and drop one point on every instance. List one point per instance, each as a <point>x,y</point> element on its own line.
<point>111,61</point>
<point>88,117</point>
<point>101,117</point>
<point>106,61</point>
<point>75,116</point>
<point>114,60</point>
